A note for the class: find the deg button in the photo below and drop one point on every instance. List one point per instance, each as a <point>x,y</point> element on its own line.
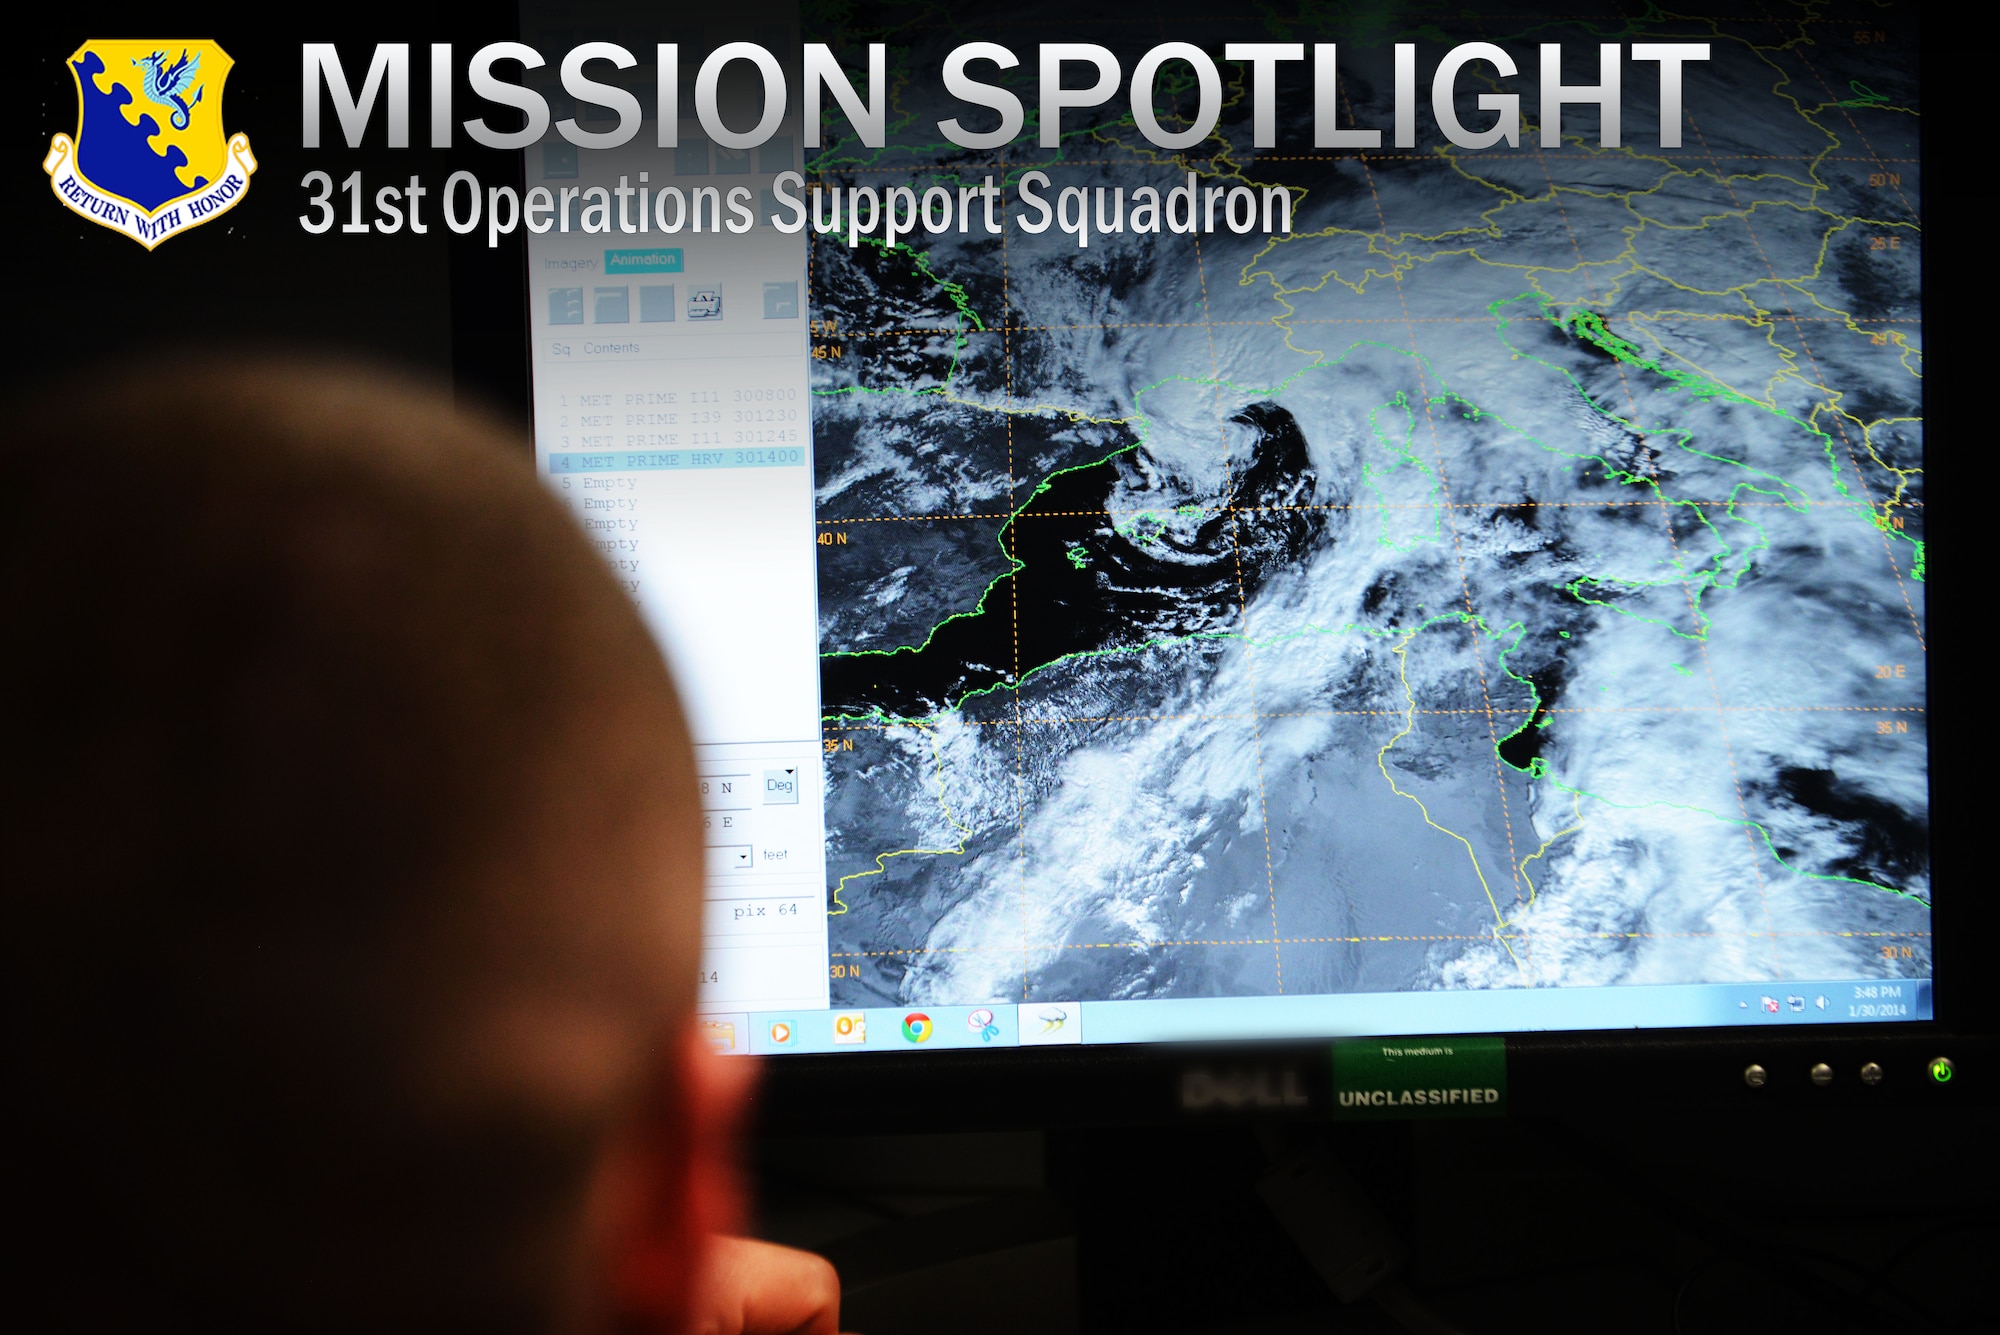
<point>781,787</point>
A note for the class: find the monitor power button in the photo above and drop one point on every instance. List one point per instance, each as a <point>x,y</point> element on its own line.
<point>1755,1076</point>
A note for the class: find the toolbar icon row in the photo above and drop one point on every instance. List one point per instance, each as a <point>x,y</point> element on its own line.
<point>657,305</point>
<point>898,1029</point>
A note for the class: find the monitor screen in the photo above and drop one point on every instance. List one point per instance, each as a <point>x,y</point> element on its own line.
<point>1411,558</point>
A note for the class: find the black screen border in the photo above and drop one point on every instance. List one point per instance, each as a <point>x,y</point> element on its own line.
<point>1549,1071</point>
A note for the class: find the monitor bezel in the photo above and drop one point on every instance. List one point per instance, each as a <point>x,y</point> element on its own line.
<point>1696,1068</point>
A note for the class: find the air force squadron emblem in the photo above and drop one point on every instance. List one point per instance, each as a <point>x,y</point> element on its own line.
<point>150,158</point>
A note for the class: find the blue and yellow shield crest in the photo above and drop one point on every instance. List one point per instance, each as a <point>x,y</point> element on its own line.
<point>150,157</point>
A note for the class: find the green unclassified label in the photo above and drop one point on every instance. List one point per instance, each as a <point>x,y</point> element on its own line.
<point>1384,1078</point>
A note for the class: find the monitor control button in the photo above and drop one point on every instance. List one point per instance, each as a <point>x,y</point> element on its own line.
<point>1755,1076</point>
<point>1822,1075</point>
<point>1941,1070</point>
<point>1871,1073</point>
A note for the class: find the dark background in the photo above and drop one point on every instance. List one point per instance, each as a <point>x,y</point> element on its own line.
<point>1622,1205</point>
<point>254,281</point>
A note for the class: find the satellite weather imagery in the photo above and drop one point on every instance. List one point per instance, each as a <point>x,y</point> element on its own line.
<point>1511,576</point>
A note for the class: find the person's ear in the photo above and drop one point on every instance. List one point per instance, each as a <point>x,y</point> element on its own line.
<point>718,1093</point>
<point>670,1184</point>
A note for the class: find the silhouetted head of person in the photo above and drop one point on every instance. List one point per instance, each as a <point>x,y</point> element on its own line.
<point>351,871</point>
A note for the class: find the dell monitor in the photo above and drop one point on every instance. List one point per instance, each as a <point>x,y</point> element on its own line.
<point>1285,533</point>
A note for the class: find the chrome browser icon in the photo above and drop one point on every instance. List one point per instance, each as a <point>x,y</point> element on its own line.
<point>917,1027</point>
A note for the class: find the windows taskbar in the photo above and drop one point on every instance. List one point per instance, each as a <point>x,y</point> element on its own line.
<point>1333,1015</point>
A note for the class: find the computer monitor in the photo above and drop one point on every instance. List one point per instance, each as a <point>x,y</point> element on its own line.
<point>1415,559</point>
